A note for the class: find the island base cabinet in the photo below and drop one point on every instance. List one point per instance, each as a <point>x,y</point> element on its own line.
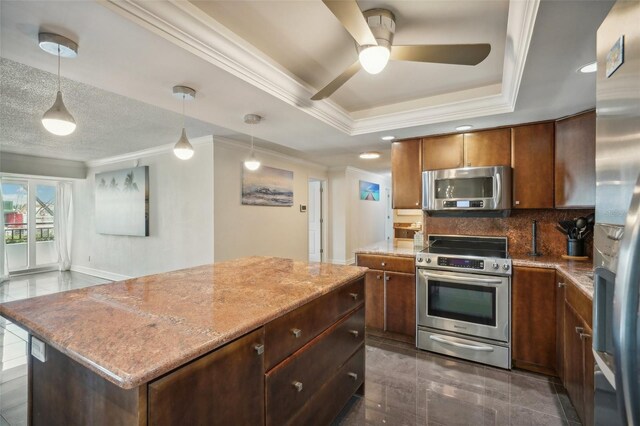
<point>222,388</point>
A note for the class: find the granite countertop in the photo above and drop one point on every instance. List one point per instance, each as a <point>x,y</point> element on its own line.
<point>131,332</point>
<point>580,273</point>
<point>391,248</point>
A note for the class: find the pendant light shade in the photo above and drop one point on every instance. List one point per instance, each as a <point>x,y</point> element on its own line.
<point>252,163</point>
<point>183,148</point>
<point>57,119</point>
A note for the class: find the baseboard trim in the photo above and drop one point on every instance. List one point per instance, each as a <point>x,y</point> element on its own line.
<point>99,273</point>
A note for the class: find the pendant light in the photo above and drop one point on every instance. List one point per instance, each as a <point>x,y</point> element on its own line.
<point>183,148</point>
<point>252,163</point>
<point>58,120</point>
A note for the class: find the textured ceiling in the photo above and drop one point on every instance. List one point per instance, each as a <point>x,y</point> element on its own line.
<point>108,124</point>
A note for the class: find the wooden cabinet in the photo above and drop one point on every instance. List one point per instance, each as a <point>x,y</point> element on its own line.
<point>575,161</point>
<point>487,148</point>
<point>477,149</point>
<point>532,162</point>
<point>234,373</point>
<point>561,283</point>
<point>406,174</point>
<point>443,152</point>
<point>534,319</point>
<point>390,295</point>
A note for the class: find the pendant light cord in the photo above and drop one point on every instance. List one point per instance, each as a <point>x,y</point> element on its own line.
<point>58,68</point>
<point>183,117</point>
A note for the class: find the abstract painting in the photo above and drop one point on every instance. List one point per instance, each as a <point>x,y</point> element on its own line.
<point>122,202</point>
<point>267,186</point>
<point>369,191</point>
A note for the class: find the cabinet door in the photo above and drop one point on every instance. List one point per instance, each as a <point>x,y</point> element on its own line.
<point>400,315</point>
<point>560,294</point>
<point>234,374</point>
<point>443,152</point>
<point>573,359</point>
<point>406,174</point>
<point>589,366</point>
<point>532,162</point>
<point>487,148</point>
<point>575,165</point>
<point>374,299</point>
<point>533,318</point>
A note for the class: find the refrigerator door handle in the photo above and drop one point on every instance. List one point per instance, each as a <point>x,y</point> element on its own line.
<point>625,316</point>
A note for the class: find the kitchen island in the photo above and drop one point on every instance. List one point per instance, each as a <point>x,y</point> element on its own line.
<point>257,340</point>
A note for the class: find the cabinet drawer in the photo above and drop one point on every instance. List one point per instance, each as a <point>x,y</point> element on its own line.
<point>292,383</point>
<point>579,301</point>
<point>387,263</point>
<point>327,403</point>
<point>287,334</point>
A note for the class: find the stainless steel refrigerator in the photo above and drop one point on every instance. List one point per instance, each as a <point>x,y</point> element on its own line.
<point>616,320</point>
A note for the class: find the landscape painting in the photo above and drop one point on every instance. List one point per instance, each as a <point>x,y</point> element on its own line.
<point>369,191</point>
<point>267,186</point>
<point>122,202</point>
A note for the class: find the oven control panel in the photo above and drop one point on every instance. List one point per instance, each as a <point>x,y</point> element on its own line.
<point>493,266</point>
<point>464,204</point>
<point>456,262</point>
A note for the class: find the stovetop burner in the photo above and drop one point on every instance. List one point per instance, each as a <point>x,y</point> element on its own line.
<point>494,247</point>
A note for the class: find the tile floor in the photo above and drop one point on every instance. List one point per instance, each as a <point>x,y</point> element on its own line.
<point>13,339</point>
<point>404,386</point>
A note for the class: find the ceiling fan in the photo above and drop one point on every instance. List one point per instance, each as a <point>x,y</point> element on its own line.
<point>373,32</point>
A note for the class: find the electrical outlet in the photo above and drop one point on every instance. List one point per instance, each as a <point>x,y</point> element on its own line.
<point>38,349</point>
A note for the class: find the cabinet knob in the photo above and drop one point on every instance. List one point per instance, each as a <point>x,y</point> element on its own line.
<point>561,284</point>
<point>297,386</point>
<point>387,277</point>
<point>579,330</point>
<point>259,348</point>
<point>417,204</point>
<point>584,336</point>
<point>378,277</point>
<point>354,296</point>
<point>354,376</point>
<point>354,332</point>
<point>296,332</point>
<point>383,264</point>
<point>517,203</point>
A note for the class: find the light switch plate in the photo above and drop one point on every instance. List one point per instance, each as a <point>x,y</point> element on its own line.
<point>38,349</point>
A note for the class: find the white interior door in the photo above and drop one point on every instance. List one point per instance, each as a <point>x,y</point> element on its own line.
<point>314,213</point>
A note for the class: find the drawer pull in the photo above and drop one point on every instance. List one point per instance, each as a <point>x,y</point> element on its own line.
<point>584,336</point>
<point>259,348</point>
<point>354,376</point>
<point>561,284</point>
<point>579,330</point>
<point>354,296</point>
<point>297,386</point>
<point>296,332</point>
<point>387,277</point>
<point>383,264</point>
<point>378,277</point>
<point>354,332</point>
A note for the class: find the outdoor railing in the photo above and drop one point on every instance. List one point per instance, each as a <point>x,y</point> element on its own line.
<point>15,233</point>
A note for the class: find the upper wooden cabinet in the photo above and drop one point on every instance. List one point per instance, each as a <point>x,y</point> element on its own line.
<point>487,148</point>
<point>575,166</point>
<point>477,149</point>
<point>532,162</point>
<point>443,152</point>
<point>406,174</point>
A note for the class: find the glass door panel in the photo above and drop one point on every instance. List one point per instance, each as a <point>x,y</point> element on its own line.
<point>45,205</point>
<point>16,223</point>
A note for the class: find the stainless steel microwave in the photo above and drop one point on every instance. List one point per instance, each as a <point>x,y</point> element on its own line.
<point>483,191</point>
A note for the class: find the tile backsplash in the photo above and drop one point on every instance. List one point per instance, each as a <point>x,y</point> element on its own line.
<point>516,227</point>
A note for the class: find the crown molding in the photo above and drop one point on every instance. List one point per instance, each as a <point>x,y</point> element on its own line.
<point>136,155</point>
<point>189,27</point>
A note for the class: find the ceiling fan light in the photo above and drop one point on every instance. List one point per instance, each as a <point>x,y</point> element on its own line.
<point>58,120</point>
<point>183,148</point>
<point>374,58</point>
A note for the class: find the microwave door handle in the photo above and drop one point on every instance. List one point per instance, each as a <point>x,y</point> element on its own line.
<point>499,188</point>
<point>625,315</point>
<point>442,339</point>
<point>448,278</point>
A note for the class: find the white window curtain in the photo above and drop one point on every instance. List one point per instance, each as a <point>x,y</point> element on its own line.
<point>4,258</point>
<point>62,224</point>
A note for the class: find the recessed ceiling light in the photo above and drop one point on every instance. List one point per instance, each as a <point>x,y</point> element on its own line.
<point>463,128</point>
<point>370,155</point>
<point>388,138</point>
<point>592,67</point>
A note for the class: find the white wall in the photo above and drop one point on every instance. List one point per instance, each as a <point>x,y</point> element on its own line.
<point>259,230</point>
<point>180,215</point>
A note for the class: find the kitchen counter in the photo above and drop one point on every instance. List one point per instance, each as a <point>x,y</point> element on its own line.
<point>131,332</point>
<point>580,273</point>
<point>391,248</point>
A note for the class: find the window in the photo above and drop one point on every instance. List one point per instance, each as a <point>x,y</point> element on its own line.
<point>29,212</point>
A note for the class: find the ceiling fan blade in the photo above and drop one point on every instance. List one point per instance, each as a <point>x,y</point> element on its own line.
<point>458,54</point>
<point>350,16</point>
<point>337,82</point>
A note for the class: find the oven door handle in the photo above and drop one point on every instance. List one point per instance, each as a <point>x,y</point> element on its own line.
<point>488,282</point>
<point>442,339</point>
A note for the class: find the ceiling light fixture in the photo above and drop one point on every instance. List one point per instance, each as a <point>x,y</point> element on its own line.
<point>588,68</point>
<point>371,155</point>
<point>464,127</point>
<point>183,148</point>
<point>252,163</point>
<point>374,58</point>
<point>58,120</point>
<point>388,138</point>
